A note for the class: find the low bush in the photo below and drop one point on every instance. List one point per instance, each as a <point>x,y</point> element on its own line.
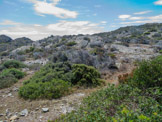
<point>148,74</point>
<point>17,73</point>
<point>71,43</point>
<point>121,104</point>
<point>13,64</point>
<point>86,75</point>
<point>48,90</point>
<point>54,80</point>
<point>51,82</point>
<point>10,76</point>
<point>7,80</point>
<point>112,55</point>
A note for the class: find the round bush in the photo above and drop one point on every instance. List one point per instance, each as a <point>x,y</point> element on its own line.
<point>85,75</point>
<point>48,90</point>
<point>16,73</point>
<point>148,74</point>
<point>13,64</point>
<point>7,80</point>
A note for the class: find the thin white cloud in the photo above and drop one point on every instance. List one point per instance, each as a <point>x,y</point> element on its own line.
<point>123,17</point>
<point>159,2</point>
<point>152,19</point>
<point>103,22</point>
<point>44,7</point>
<point>136,18</point>
<point>142,12</point>
<point>9,22</point>
<point>37,32</point>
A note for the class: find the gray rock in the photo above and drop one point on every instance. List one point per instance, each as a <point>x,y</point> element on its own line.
<point>83,43</point>
<point>45,110</point>
<point>24,112</point>
<point>158,45</point>
<point>96,44</point>
<point>101,62</point>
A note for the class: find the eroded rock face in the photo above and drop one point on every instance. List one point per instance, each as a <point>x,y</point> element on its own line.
<point>158,46</point>
<point>101,62</point>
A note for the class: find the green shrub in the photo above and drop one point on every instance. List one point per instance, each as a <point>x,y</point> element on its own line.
<point>17,73</point>
<point>53,71</point>
<point>160,51</point>
<point>147,33</point>
<point>117,104</point>
<point>148,74</point>
<point>49,90</point>
<point>112,55</point>
<point>71,43</point>
<point>7,80</point>
<point>13,64</point>
<point>86,75</point>
<point>52,81</point>
<point>97,51</point>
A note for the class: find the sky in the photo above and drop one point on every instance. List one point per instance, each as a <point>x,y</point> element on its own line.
<point>37,19</point>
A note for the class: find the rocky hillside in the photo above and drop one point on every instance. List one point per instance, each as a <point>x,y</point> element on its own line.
<point>145,34</point>
<point>61,60</point>
<point>98,50</point>
<point>7,44</point>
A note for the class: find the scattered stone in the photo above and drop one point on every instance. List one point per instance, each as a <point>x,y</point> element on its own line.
<point>80,94</point>
<point>45,110</point>
<point>24,112</point>
<point>9,95</point>
<point>15,117</point>
<point>37,109</point>
<point>1,115</point>
<point>15,89</point>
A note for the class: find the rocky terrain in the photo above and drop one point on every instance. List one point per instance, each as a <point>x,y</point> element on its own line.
<point>112,53</point>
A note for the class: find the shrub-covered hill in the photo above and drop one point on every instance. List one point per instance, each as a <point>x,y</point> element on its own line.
<point>137,100</point>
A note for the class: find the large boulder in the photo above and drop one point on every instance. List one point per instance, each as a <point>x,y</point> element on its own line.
<point>96,44</point>
<point>101,62</point>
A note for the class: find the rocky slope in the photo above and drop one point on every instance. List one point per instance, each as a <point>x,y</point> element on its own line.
<point>113,53</point>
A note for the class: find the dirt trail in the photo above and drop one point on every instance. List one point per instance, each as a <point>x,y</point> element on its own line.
<point>11,104</point>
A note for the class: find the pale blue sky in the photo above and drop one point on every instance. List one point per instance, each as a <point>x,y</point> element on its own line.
<point>40,18</point>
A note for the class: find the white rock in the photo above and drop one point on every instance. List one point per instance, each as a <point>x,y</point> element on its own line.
<point>45,110</point>
<point>13,118</point>
<point>24,112</point>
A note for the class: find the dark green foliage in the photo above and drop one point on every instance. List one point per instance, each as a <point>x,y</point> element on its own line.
<point>147,33</point>
<point>48,90</point>
<point>13,64</point>
<point>122,104</point>
<point>138,101</point>
<point>97,51</point>
<point>53,71</point>
<point>57,78</point>
<point>52,81</point>
<point>7,80</point>
<point>148,74</point>
<point>112,55</point>
<point>10,76</point>
<point>71,43</point>
<point>160,51</point>
<point>86,75</point>
<point>17,73</point>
